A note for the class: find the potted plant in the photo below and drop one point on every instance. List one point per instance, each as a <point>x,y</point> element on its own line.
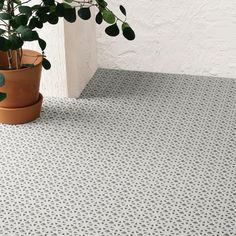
<point>20,69</point>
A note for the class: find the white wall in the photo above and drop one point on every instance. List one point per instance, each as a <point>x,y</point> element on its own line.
<point>80,55</point>
<point>71,49</point>
<point>184,36</point>
<point>53,81</point>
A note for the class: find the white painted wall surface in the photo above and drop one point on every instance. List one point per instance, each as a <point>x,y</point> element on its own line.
<point>80,55</point>
<point>71,49</point>
<point>53,81</point>
<point>184,36</point>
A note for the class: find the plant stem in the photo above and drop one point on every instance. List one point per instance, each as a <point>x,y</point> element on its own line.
<point>18,58</point>
<point>9,53</point>
<point>9,58</point>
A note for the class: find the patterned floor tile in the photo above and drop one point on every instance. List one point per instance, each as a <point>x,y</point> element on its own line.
<point>138,154</point>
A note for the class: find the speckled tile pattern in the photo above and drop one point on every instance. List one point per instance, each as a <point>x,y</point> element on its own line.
<point>138,154</point>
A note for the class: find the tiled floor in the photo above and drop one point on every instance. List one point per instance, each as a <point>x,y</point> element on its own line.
<point>137,154</point>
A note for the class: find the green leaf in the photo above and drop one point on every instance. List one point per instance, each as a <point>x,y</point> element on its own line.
<point>112,30</point>
<point>128,31</point>
<point>2,31</point>
<point>84,13</point>
<point>35,7</point>
<point>17,1</point>
<point>25,10</point>
<point>16,42</point>
<point>68,1</point>
<point>33,22</point>
<point>59,10</point>
<point>2,80</point>
<point>42,13</point>
<point>21,20</point>
<point>2,96</point>
<point>13,24</point>
<point>43,10</point>
<point>39,24</point>
<point>99,18</point>
<point>66,5</point>
<point>70,14</point>
<point>46,64</point>
<point>53,18</point>
<point>5,44</point>
<point>42,44</point>
<point>22,28</point>
<point>28,65</point>
<point>29,35</point>
<point>49,2</point>
<point>122,9</point>
<point>5,16</point>
<point>108,16</point>
<point>101,3</point>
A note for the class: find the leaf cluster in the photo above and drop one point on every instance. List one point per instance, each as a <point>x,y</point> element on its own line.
<point>21,19</point>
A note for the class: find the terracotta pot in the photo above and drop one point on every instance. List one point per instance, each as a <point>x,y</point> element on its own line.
<point>22,86</point>
<point>23,102</point>
<point>15,116</point>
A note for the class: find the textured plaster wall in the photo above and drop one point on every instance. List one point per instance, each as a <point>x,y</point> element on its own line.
<point>71,49</point>
<point>53,81</point>
<point>80,55</point>
<point>184,36</point>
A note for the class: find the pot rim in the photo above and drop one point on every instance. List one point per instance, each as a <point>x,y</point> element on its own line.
<point>21,115</point>
<point>40,99</point>
<point>37,62</point>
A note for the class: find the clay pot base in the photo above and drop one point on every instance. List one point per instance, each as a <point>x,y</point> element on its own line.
<point>22,115</point>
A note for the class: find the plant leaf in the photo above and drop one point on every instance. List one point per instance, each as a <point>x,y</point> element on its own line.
<point>70,14</point>
<point>2,31</point>
<point>2,96</point>
<point>5,16</point>
<point>49,2</point>
<point>28,65</point>
<point>22,28</point>
<point>21,20</point>
<point>112,30</point>
<point>102,3</point>
<point>128,31</point>
<point>84,13</point>
<point>108,16</point>
<point>25,10</point>
<point>5,44</point>
<point>60,9</point>
<point>16,42</point>
<point>53,18</point>
<point>46,64</point>
<point>42,44</point>
<point>99,18</point>
<point>29,35</point>
<point>2,80</point>
<point>122,9</point>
